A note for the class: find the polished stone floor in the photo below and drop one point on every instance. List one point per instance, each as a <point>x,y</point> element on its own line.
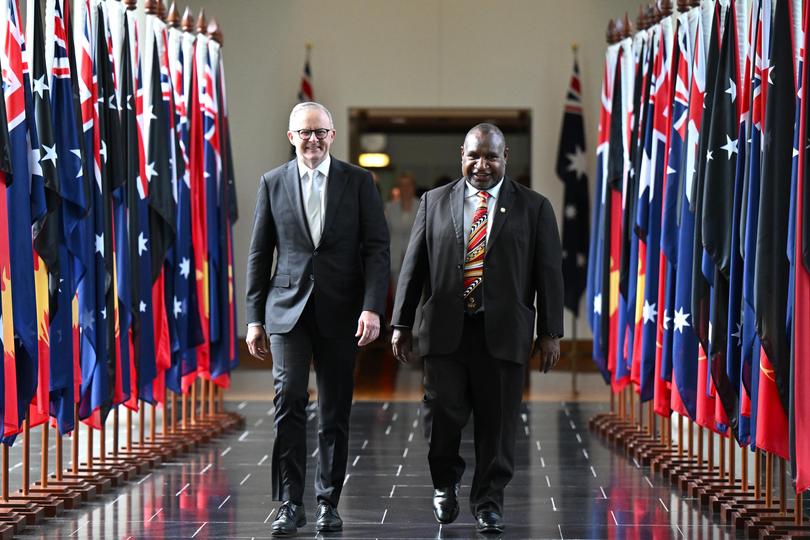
<point>568,484</point>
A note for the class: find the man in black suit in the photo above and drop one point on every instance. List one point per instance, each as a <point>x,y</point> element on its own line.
<point>321,221</point>
<point>482,250</point>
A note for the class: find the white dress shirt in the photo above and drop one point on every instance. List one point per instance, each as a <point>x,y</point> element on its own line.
<point>305,174</point>
<point>471,203</point>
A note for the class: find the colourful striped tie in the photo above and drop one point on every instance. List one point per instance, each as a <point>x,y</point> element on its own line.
<point>474,261</point>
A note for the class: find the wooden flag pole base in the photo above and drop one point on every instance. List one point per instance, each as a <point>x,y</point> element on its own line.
<point>12,507</point>
<point>51,506</point>
<point>83,481</point>
<point>99,468</point>
<point>11,520</point>
<point>752,511</point>
<point>70,499</point>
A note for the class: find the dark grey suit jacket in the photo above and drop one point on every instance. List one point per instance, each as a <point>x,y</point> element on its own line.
<point>346,273</point>
<point>523,262</point>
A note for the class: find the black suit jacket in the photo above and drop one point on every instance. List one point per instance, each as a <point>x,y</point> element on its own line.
<point>523,262</point>
<point>346,273</point>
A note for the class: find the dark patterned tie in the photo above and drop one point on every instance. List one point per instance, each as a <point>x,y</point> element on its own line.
<point>474,261</point>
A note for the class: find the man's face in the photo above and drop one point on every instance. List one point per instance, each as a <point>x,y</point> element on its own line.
<point>312,151</point>
<point>483,159</point>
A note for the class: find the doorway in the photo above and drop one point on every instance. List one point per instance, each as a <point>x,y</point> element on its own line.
<point>425,142</point>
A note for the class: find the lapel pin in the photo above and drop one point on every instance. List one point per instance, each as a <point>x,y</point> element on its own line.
<point>503,210</point>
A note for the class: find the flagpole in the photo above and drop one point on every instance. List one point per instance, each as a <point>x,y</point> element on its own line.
<point>691,441</point>
<point>574,350</point>
<point>152,422</point>
<point>26,457</point>
<point>75,442</point>
<point>141,423</point>
<point>211,391</point>
<point>732,473</point>
<point>102,441</point>
<point>129,430</point>
<point>5,472</point>
<point>89,447</point>
<point>59,459</point>
<point>183,411</point>
<point>782,488</point>
<point>193,412</point>
<point>174,413</point>
<point>768,479</point>
<point>115,431</point>
<point>744,464</point>
<point>43,466</point>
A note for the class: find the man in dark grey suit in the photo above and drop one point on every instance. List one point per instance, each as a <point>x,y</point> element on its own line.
<point>484,250</point>
<point>321,221</point>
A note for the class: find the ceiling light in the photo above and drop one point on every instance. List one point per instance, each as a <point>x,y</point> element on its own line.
<point>375,160</point>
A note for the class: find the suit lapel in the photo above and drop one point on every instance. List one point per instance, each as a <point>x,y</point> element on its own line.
<point>335,186</point>
<point>501,210</point>
<point>292,185</point>
<point>457,211</point>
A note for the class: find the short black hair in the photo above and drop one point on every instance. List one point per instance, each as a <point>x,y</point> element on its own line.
<point>485,128</point>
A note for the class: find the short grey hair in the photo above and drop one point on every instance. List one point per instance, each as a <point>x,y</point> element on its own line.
<point>307,105</point>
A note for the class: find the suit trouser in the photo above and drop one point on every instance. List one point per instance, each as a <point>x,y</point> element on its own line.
<point>471,380</point>
<point>334,360</point>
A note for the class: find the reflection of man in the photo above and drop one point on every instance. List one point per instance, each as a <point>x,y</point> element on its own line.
<point>322,220</point>
<point>483,249</point>
<point>400,213</point>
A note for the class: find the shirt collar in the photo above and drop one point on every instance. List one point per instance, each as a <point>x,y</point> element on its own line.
<point>493,191</point>
<point>323,168</point>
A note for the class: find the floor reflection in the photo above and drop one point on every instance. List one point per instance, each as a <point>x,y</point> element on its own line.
<point>567,485</point>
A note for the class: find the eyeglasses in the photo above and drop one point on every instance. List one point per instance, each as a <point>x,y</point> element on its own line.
<point>305,134</point>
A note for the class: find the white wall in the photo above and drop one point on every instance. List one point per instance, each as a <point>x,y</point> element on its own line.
<point>409,53</point>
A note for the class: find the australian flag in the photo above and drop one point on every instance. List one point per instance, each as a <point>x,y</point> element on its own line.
<point>571,165</point>
<point>74,206</point>
<point>185,314</point>
<point>26,196</point>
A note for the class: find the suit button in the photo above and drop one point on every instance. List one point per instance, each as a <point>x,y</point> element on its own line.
<point>315,253</point>
<point>312,277</point>
<point>458,266</point>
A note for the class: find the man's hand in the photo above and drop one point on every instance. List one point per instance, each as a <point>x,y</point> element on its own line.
<point>257,342</point>
<point>368,328</point>
<point>402,344</point>
<point>547,349</point>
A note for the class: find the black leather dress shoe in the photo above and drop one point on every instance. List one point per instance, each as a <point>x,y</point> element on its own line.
<point>290,516</point>
<point>489,521</point>
<point>445,504</point>
<point>327,518</point>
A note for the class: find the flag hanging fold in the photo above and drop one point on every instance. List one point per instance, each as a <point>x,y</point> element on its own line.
<point>772,266</point>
